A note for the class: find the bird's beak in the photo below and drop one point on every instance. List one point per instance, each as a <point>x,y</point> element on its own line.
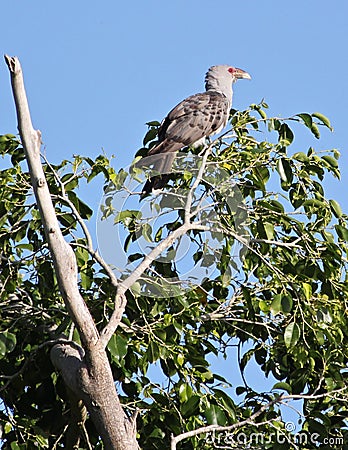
<point>239,73</point>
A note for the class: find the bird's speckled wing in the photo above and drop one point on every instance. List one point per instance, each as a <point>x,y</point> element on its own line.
<point>196,117</point>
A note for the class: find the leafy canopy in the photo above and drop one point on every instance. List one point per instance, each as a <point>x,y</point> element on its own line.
<point>276,290</point>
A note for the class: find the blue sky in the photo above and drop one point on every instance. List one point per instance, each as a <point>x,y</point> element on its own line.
<point>96,72</point>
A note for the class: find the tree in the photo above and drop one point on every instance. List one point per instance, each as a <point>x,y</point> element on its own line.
<point>274,251</point>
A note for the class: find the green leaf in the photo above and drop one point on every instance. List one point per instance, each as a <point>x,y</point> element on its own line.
<point>286,303</point>
<point>262,113</point>
<point>86,279</point>
<point>185,392</point>
<point>246,358</point>
<point>331,161</point>
<point>135,257</point>
<point>7,427</point>
<point>7,343</point>
<point>150,135</point>
<point>136,289</point>
<point>315,130</point>
<point>307,119</point>
<point>269,230</point>
<point>276,305</point>
<point>7,137</point>
<point>273,124</point>
<point>342,232</point>
<point>158,434</point>
<point>316,427</point>
<point>320,337</point>
<point>180,359</point>
<point>336,208</point>
<point>85,211</point>
<point>15,446</point>
<point>323,315</point>
<point>264,104</point>
<point>336,153</point>
<point>284,170</point>
<point>127,216</point>
<point>264,306</point>
<point>281,304</point>
<point>227,402</point>
<point>153,123</point>
<point>323,119</point>
<point>190,407</point>
<point>81,255</point>
<point>118,346</point>
<point>300,156</point>
<point>240,390</point>
<point>291,334</point>
<point>283,386</point>
<point>286,136</point>
<point>307,289</point>
<point>273,205</point>
<point>153,352</point>
<point>215,415</point>
<point>329,237</point>
<point>146,231</point>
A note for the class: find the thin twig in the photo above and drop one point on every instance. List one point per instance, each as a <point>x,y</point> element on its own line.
<point>176,439</point>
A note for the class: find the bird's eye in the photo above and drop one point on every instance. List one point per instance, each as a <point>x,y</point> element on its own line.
<point>231,69</point>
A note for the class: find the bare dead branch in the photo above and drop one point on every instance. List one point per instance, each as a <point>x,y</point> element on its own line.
<point>88,374</point>
<point>62,254</point>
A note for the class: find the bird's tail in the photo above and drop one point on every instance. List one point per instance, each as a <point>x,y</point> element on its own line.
<point>154,183</point>
<point>162,165</point>
<point>165,146</point>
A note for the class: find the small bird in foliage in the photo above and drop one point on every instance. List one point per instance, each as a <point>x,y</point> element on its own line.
<point>193,120</point>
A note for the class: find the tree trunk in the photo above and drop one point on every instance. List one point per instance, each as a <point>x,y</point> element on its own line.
<point>86,371</point>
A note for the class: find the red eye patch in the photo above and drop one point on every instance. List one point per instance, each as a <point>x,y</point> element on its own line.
<point>231,70</point>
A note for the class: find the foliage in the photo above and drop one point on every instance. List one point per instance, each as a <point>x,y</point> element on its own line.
<point>282,302</point>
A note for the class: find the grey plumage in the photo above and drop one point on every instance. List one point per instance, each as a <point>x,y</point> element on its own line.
<point>194,119</point>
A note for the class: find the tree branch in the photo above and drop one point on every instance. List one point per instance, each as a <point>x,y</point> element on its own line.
<point>279,399</point>
<point>176,439</point>
<point>89,375</point>
<point>124,285</point>
<point>62,254</point>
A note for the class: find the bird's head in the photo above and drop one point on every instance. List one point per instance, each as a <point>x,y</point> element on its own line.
<point>227,72</point>
<point>238,73</point>
<point>221,77</point>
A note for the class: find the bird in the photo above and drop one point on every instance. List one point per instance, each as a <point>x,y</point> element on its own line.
<point>193,120</point>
